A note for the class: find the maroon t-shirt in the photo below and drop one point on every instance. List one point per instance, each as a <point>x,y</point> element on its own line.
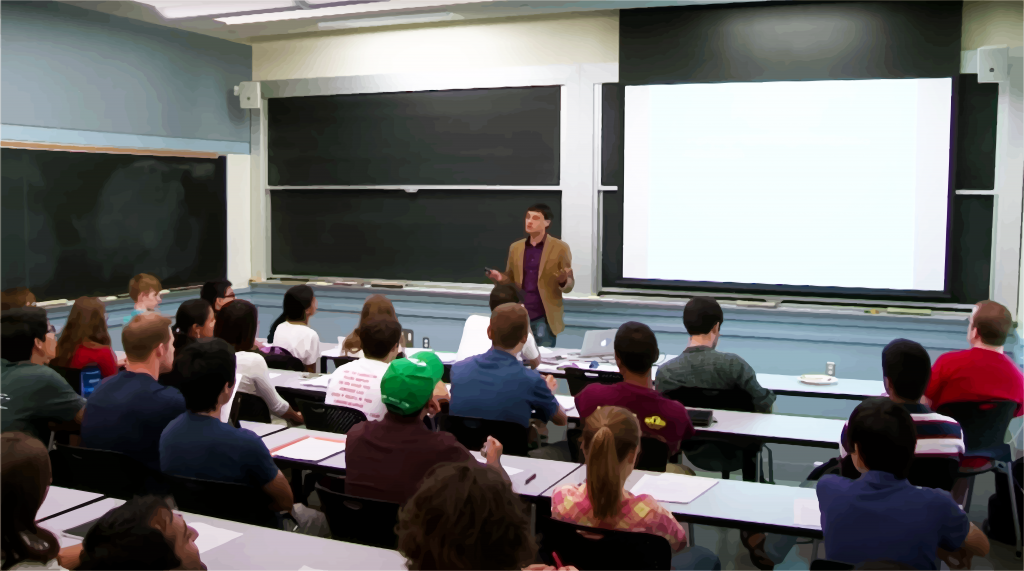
<point>387,459</point>
<point>659,416</point>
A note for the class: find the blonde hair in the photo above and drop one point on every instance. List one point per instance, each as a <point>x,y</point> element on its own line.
<point>143,334</point>
<point>609,436</point>
<point>143,283</point>
<point>373,306</point>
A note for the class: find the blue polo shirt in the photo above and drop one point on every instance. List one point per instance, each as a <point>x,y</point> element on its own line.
<point>203,447</point>
<point>127,413</point>
<point>496,386</point>
<point>878,517</point>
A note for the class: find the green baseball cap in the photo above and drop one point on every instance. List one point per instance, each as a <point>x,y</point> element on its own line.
<point>409,383</point>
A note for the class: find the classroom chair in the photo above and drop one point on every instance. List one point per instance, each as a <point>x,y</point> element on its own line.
<point>329,417</point>
<point>827,565</point>
<point>224,500</point>
<point>613,550</point>
<point>578,379</point>
<point>473,433</point>
<point>719,454</point>
<point>654,454</point>
<point>984,424</point>
<point>102,472</point>
<point>359,520</point>
<point>88,376</point>
<point>250,408</point>
<point>278,358</point>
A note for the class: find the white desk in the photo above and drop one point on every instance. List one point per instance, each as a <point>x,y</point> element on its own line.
<point>732,503</point>
<point>257,547</point>
<point>852,389</point>
<point>545,473</point>
<point>59,500</point>
<point>79,516</point>
<point>261,429</point>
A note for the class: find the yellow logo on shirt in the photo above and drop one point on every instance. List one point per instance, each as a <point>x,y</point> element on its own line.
<point>654,422</point>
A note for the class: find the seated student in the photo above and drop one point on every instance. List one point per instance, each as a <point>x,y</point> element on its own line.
<point>701,366</point>
<point>496,386</point>
<point>84,340</point>
<point>217,293</point>
<point>144,290</point>
<point>982,372</point>
<point>236,324</point>
<point>291,331</point>
<point>128,411</point>
<point>24,482</point>
<point>476,326</point>
<point>611,443</point>
<point>34,395</point>
<point>434,531</point>
<point>198,445</point>
<point>375,306</point>
<point>356,384</point>
<point>883,516</point>
<point>142,533</point>
<point>16,297</point>
<point>906,368</point>
<point>195,319</point>
<point>636,350</point>
<point>373,449</point>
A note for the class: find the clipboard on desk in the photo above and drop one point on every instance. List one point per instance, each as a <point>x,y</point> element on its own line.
<point>701,418</point>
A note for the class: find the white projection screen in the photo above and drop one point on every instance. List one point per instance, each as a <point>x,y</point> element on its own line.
<point>806,183</point>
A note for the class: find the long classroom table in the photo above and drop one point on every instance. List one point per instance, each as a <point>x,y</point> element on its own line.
<point>255,548</point>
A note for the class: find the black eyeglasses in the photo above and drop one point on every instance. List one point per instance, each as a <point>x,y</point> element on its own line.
<point>51,329</point>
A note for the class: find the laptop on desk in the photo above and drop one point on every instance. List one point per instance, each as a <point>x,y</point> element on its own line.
<point>599,343</point>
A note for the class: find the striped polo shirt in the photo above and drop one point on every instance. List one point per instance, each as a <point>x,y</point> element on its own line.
<point>938,436</point>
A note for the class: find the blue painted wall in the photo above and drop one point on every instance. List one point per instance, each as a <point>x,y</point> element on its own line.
<point>70,68</point>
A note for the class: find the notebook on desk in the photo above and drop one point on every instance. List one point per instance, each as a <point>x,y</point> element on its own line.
<point>701,418</point>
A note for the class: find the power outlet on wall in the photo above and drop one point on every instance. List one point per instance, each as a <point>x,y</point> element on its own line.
<point>407,335</point>
<point>426,342</point>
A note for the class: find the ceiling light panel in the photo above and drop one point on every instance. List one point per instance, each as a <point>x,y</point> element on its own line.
<point>175,9</point>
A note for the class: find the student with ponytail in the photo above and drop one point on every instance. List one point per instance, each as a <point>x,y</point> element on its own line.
<point>195,320</point>
<point>291,331</point>
<point>611,444</point>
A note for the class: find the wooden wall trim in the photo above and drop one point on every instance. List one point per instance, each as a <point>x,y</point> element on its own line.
<point>108,150</point>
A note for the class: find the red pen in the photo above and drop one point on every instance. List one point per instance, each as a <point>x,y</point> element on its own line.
<point>558,562</point>
<point>530,479</point>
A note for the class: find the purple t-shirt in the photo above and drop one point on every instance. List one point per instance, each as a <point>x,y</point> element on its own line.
<point>659,416</point>
<point>531,272</point>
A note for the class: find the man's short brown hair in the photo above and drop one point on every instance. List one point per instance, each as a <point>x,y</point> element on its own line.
<point>509,325</point>
<point>143,283</point>
<point>16,297</point>
<point>993,322</point>
<point>143,334</point>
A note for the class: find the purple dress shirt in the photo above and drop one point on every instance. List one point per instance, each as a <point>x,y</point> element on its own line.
<point>531,272</point>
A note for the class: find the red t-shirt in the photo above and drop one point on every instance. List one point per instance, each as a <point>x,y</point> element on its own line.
<point>659,416</point>
<point>102,356</point>
<point>975,375</point>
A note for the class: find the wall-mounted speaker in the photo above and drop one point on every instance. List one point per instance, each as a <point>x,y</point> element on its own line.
<point>248,93</point>
<point>993,64</point>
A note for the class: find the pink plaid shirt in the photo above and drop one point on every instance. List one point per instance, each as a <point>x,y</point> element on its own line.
<point>639,513</point>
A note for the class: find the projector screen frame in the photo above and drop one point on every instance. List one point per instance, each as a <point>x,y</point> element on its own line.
<point>614,239</point>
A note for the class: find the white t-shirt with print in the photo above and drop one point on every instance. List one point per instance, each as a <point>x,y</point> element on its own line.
<point>301,341</point>
<point>357,385</point>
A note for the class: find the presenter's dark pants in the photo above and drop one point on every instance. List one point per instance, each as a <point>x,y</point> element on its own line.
<point>542,332</point>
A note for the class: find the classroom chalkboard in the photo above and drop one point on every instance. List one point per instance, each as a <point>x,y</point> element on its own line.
<point>77,223</point>
<point>430,235</point>
<point>506,136</point>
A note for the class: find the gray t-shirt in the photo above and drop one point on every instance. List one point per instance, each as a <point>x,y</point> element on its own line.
<point>33,396</point>
<point>703,367</point>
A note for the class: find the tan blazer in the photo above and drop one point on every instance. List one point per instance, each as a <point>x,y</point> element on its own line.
<point>555,257</point>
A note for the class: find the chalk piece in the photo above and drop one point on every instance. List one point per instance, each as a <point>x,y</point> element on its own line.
<point>165,291</point>
<point>751,303</point>
<point>110,298</point>
<point>908,310</point>
<point>52,303</point>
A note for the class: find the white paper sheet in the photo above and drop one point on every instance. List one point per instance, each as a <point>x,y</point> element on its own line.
<point>317,382</point>
<point>568,403</point>
<point>311,449</point>
<point>274,375</point>
<point>674,488</point>
<point>210,537</point>
<point>508,469</point>
<point>805,512</point>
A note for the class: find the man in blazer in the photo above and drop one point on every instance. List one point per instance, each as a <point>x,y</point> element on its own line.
<point>541,266</point>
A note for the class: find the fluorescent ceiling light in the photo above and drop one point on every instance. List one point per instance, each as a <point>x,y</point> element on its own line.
<point>389,21</point>
<point>346,10</point>
<point>196,8</point>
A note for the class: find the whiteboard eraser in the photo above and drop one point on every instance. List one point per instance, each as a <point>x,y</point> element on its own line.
<point>110,298</point>
<point>52,303</point>
<point>752,303</point>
